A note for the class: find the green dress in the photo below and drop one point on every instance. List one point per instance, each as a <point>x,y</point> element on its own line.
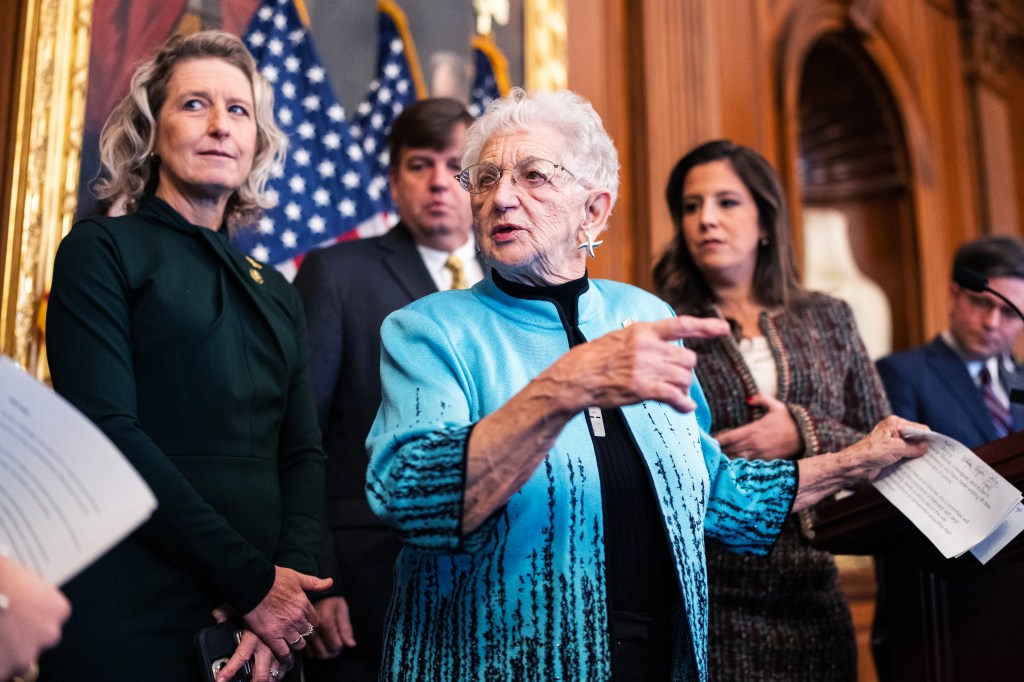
<point>193,360</point>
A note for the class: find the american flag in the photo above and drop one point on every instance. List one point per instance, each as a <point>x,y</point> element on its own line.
<point>398,84</point>
<point>321,190</point>
<point>490,74</point>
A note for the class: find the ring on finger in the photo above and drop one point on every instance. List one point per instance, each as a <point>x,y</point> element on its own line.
<point>308,632</point>
<point>274,672</point>
<point>296,641</point>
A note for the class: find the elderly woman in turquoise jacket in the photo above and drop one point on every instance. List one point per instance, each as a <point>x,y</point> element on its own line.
<point>542,445</point>
<point>192,358</point>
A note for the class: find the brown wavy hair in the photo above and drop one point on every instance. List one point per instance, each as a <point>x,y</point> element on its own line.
<point>677,278</point>
<point>129,135</point>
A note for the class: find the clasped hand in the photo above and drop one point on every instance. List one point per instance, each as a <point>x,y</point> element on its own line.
<point>335,630</point>
<point>277,627</point>
<point>773,435</point>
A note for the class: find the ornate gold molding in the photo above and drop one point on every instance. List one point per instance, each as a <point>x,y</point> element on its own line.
<point>546,53</point>
<point>48,119</point>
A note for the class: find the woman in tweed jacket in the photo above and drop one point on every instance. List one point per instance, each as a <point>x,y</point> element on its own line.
<point>793,380</point>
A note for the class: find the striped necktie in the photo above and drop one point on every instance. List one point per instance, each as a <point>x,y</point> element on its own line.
<point>1000,413</point>
<point>454,266</point>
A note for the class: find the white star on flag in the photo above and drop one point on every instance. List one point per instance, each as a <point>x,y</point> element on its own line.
<point>309,182</point>
<point>390,92</point>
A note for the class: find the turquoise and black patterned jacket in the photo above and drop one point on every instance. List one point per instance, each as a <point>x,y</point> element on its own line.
<point>522,597</point>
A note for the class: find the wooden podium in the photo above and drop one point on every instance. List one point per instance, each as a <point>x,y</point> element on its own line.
<point>938,619</point>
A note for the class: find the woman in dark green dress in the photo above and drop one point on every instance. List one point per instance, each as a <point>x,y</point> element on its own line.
<point>192,358</point>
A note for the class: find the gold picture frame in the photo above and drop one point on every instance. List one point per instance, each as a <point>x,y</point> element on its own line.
<point>545,44</point>
<point>47,119</point>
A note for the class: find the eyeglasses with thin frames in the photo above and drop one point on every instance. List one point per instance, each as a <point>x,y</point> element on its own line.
<point>987,304</point>
<point>529,173</point>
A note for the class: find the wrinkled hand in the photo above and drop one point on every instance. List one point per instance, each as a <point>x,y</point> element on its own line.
<point>640,362</point>
<point>285,615</point>
<point>263,660</point>
<point>820,477</point>
<point>334,632</point>
<point>624,367</point>
<point>772,436</point>
<point>884,446</point>
<point>31,620</point>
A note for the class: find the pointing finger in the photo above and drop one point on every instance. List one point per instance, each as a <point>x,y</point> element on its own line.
<point>687,327</point>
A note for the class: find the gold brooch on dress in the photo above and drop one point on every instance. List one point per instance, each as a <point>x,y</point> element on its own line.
<point>254,271</point>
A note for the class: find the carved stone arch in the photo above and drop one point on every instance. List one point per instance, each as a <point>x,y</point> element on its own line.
<point>800,31</point>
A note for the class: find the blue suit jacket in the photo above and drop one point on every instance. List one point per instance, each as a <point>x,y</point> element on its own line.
<point>931,385</point>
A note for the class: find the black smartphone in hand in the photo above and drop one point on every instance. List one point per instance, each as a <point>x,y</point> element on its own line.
<point>215,645</point>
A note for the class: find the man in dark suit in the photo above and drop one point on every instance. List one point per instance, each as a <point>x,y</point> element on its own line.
<point>959,384</point>
<point>348,289</point>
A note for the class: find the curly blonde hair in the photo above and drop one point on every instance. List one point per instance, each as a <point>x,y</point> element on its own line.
<point>129,135</point>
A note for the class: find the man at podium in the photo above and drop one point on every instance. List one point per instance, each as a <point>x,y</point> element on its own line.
<point>960,384</point>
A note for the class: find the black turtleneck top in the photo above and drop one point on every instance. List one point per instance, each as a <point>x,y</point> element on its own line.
<point>640,578</point>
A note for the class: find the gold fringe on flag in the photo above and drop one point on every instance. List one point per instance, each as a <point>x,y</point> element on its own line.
<point>398,16</point>
<point>499,65</point>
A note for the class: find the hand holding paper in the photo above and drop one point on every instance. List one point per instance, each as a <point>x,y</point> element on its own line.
<point>957,500</point>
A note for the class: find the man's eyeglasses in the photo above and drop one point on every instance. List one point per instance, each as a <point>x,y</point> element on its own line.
<point>529,173</point>
<point>987,304</point>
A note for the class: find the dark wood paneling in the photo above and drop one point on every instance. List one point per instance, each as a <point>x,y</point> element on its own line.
<point>853,156</point>
<point>942,619</point>
<point>851,140</point>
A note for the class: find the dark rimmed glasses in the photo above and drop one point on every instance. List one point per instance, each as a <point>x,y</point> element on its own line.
<point>529,173</point>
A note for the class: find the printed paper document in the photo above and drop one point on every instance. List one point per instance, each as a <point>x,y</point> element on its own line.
<point>67,494</point>
<point>957,500</point>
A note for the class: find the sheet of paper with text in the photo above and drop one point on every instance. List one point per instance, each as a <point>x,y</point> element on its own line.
<point>67,494</point>
<point>953,497</point>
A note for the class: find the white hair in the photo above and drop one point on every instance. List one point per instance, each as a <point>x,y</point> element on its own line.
<point>590,154</point>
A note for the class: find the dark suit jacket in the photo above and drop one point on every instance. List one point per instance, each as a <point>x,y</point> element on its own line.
<point>348,289</point>
<point>931,385</point>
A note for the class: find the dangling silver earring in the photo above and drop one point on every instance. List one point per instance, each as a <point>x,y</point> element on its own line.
<point>589,244</point>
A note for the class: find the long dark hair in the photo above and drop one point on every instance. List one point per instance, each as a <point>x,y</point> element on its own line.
<point>678,279</point>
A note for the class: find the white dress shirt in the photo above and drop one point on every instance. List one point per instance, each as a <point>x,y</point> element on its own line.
<point>435,261</point>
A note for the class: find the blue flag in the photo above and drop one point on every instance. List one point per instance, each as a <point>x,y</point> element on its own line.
<point>321,190</point>
<point>490,75</point>
<point>397,85</point>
